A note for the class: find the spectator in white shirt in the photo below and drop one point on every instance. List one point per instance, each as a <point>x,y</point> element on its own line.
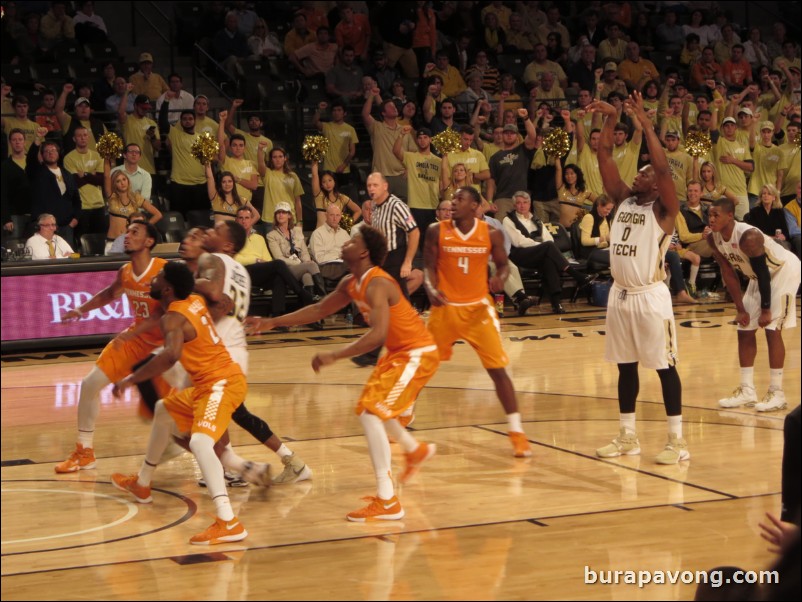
<point>326,243</point>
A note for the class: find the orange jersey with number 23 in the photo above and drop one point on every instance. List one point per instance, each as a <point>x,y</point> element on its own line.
<point>137,289</point>
<point>462,262</point>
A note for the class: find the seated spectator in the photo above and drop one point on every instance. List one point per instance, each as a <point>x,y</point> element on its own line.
<point>103,87</point>
<point>31,45</point>
<point>768,216</point>
<point>789,57</point>
<point>344,80</point>
<point>325,193</point>
<point>230,47</point>
<point>326,243</point>
<point>755,51</point>
<point>736,71</point>
<point>590,28</point>
<point>555,50</point>
<point>533,247</point>
<point>490,75</point>
<point>583,74</point>
<point>353,30</point>
<point>541,64</point>
<point>697,26</point>
<point>706,68</point>
<point>231,158</point>
<point>793,219</point>
<point>500,11</point>
<point>669,35</point>
<point>614,46</point>
<point>246,18</point>
<point>286,243</point>
<point>507,95</point>
<point>298,36</point>
<point>46,244</point>
<point>691,51</point>
<point>554,24</point>
<point>494,38</point>
<point>112,103</point>
<point>453,83</point>
<point>367,217</point>
<point>595,232</point>
<point>519,38</point>
<point>89,26</point>
<point>636,70</point>
<point>548,91</point>
<point>681,291</point>
<point>118,246</point>
<point>317,58</point>
<point>255,249</point>
<point>692,224</point>
<point>147,82</point>
<point>122,202</point>
<point>473,94</point>
<point>723,46</point>
<point>56,25</point>
<point>264,44</point>
<point>610,81</point>
<point>461,177</point>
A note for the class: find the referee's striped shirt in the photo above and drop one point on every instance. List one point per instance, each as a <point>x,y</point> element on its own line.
<point>394,219</point>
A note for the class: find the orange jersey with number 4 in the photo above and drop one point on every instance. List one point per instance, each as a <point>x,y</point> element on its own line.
<point>137,289</point>
<point>462,262</point>
<point>406,330</point>
<point>205,358</point>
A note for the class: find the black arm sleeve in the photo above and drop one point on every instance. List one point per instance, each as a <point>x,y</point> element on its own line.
<point>164,119</point>
<point>761,270</point>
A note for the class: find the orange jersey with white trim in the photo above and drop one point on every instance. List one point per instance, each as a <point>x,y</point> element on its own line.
<point>462,262</point>
<point>205,358</point>
<point>137,289</point>
<point>406,330</point>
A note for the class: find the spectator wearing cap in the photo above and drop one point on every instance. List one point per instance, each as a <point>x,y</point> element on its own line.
<point>20,119</point>
<point>139,128</point>
<point>353,30</point>
<point>704,69</point>
<point>767,157</point>
<point>180,99</point>
<point>612,83</point>
<point>89,26</point>
<point>423,175</point>
<point>112,103</point>
<point>203,123</point>
<point>509,167</point>
<point>746,122</point>
<point>733,161</point>
<point>680,163</point>
<point>736,71</point>
<point>56,26</point>
<point>146,81</point>
<point>83,117</point>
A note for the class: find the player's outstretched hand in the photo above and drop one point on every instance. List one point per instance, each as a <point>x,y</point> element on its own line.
<point>257,325</point>
<point>778,533</point>
<point>72,315</point>
<point>324,358</point>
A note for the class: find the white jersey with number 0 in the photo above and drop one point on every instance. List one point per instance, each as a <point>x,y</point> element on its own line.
<point>637,246</point>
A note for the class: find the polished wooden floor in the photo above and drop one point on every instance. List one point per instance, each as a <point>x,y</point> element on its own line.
<point>480,524</point>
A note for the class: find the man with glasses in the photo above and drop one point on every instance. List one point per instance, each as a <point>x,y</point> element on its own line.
<point>141,180</point>
<point>46,244</point>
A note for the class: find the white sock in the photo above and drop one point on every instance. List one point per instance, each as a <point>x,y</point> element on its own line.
<point>89,405</point>
<point>514,422</point>
<point>231,461</point>
<point>748,376</point>
<point>158,442</point>
<point>202,447</point>
<point>776,382</point>
<point>283,451</point>
<point>379,450</point>
<point>694,273</point>
<point>408,443</point>
<point>675,425</point>
<point>627,422</point>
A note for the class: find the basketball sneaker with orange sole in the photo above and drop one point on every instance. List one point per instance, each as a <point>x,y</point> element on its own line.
<point>423,452</point>
<point>520,445</point>
<point>220,531</point>
<point>128,483</point>
<point>83,458</point>
<point>377,509</point>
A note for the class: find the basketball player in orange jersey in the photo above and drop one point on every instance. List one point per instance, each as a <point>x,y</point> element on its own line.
<point>411,360</point>
<point>201,412</point>
<point>455,256</point>
<point>127,349</point>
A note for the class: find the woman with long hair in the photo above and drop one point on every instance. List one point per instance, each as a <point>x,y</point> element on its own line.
<point>461,177</point>
<point>326,192</point>
<point>282,185</point>
<point>595,232</point>
<point>122,202</point>
<point>286,243</point>
<point>571,188</point>
<point>224,197</point>
<point>768,216</point>
<point>712,190</point>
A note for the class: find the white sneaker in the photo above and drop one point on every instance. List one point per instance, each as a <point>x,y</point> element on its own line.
<point>744,395</point>
<point>772,401</point>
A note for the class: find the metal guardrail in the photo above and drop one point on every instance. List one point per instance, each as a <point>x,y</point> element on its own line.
<point>168,39</point>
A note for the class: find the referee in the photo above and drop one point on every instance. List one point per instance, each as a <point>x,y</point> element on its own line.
<point>393,218</point>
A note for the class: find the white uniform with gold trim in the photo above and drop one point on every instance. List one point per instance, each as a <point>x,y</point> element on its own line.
<point>784,268</point>
<point>640,321</point>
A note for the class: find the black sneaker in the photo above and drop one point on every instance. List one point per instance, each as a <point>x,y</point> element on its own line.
<point>232,480</point>
<point>365,360</point>
<point>524,304</point>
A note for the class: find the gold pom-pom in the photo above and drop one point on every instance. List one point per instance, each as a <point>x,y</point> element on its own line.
<point>347,222</point>
<point>798,139</point>
<point>447,141</point>
<point>205,148</point>
<point>110,146</point>
<point>315,148</point>
<point>557,143</point>
<point>698,144</point>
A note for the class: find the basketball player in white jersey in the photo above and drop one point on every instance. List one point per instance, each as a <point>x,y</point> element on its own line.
<point>640,322</point>
<point>769,301</point>
<point>226,285</point>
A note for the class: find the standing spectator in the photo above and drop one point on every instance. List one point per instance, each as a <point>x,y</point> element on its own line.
<point>733,161</point>
<point>705,69</point>
<point>316,59</point>
<point>104,87</point>
<point>56,25</point>
<point>140,129</point>
<point>180,99</point>
<point>509,168</point>
<point>342,142</point>
<point>203,123</point>
<point>315,17</point>
<point>789,57</point>
<point>669,34</point>
<point>15,194</point>
<point>298,36</point>
<point>424,37</point>
<point>53,188</point>
<point>397,27</point>
<point>146,81</point>
<point>636,70</point>
<point>140,181</point>
<point>89,26</point>
<point>253,137</point>
<point>790,164</point>
<point>344,80</point>
<point>494,37</point>
<point>625,154</point>
<point>500,11</point>
<point>113,102</point>
<point>737,71</point>
<point>472,158</point>
<point>353,30</point>
<point>83,117</point>
<point>86,168</point>
<point>187,177</point>
<point>755,51</point>
<point>20,120</point>
<point>382,138</point>
<point>243,172</point>
<point>767,157</point>
<point>230,47</point>
<point>679,163</point>
<point>611,82</point>
<point>423,175</point>
<point>590,28</point>
<point>282,185</point>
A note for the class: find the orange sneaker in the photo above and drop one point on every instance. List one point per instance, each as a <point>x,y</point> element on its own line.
<point>520,445</point>
<point>377,509</point>
<point>128,483</point>
<point>414,459</point>
<point>83,458</point>
<point>220,531</point>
